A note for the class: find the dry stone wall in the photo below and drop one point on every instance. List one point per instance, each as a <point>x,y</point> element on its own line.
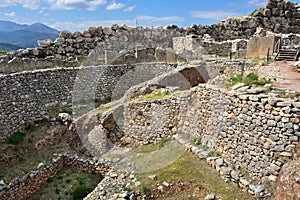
<point>28,96</point>
<point>102,44</point>
<point>255,133</point>
<point>26,186</point>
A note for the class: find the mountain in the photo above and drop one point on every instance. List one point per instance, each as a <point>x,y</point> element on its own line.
<point>10,26</point>
<point>8,47</point>
<point>25,36</point>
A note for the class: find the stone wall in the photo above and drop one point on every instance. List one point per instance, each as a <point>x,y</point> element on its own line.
<point>24,187</point>
<point>260,47</point>
<point>28,96</point>
<point>198,48</point>
<point>254,132</point>
<point>97,45</point>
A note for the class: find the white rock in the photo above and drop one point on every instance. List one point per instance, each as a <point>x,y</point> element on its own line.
<point>40,165</point>
<point>210,197</point>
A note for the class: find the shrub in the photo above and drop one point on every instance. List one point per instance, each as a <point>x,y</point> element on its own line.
<point>16,138</point>
<point>250,79</point>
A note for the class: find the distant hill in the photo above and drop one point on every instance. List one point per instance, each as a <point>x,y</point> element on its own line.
<point>8,47</point>
<point>25,36</point>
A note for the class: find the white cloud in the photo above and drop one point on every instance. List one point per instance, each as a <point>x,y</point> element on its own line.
<point>11,14</point>
<point>129,9</point>
<point>151,19</point>
<point>75,4</point>
<point>260,3</point>
<point>217,14</point>
<point>30,4</point>
<point>115,6</point>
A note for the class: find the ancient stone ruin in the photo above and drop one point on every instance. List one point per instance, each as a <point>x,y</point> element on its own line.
<point>255,132</point>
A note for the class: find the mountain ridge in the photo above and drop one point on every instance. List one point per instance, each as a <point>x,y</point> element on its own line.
<point>25,36</point>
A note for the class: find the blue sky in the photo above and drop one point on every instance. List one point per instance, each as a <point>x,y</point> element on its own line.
<point>78,15</point>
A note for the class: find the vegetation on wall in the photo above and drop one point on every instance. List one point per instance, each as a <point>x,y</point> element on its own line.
<point>249,79</point>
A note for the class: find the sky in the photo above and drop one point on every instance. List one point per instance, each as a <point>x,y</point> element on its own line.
<point>78,15</point>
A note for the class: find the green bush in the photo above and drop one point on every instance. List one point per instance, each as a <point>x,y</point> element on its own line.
<point>16,138</point>
<point>3,52</point>
<point>81,191</point>
<point>250,79</point>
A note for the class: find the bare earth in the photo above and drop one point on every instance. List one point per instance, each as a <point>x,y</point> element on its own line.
<point>283,73</point>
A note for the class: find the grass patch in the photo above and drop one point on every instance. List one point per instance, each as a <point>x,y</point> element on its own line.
<point>145,189</point>
<point>189,168</point>
<point>16,138</point>
<point>3,52</point>
<point>60,109</point>
<point>69,184</point>
<point>153,147</point>
<point>250,79</point>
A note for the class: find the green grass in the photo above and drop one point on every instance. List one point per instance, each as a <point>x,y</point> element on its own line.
<point>3,52</point>
<point>60,109</point>
<point>16,138</point>
<point>154,96</point>
<point>153,147</point>
<point>189,168</point>
<point>145,189</point>
<point>250,79</point>
<point>69,184</point>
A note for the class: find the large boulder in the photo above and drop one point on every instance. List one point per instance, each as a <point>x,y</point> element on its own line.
<point>288,182</point>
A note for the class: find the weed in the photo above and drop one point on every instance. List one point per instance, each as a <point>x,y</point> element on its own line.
<point>60,109</point>
<point>163,142</point>
<point>244,172</point>
<point>145,189</point>
<point>200,186</point>
<point>60,177</point>
<point>197,141</point>
<point>57,191</point>
<point>30,139</point>
<point>16,138</point>
<point>218,154</point>
<point>81,182</point>
<point>3,52</point>
<point>68,181</point>
<point>250,79</point>
<point>30,127</point>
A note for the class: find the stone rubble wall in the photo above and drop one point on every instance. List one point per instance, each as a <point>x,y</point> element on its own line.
<point>196,48</point>
<point>24,187</point>
<point>255,133</point>
<point>28,96</point>
<point>97,44</point>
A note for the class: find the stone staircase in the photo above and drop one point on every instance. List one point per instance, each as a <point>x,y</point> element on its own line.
<point>286,55</point>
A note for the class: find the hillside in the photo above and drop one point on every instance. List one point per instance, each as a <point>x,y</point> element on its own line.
<point>25,36</point>
<point>8,47</point>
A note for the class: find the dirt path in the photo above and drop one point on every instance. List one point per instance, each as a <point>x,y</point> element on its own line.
<point>283,73</point>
